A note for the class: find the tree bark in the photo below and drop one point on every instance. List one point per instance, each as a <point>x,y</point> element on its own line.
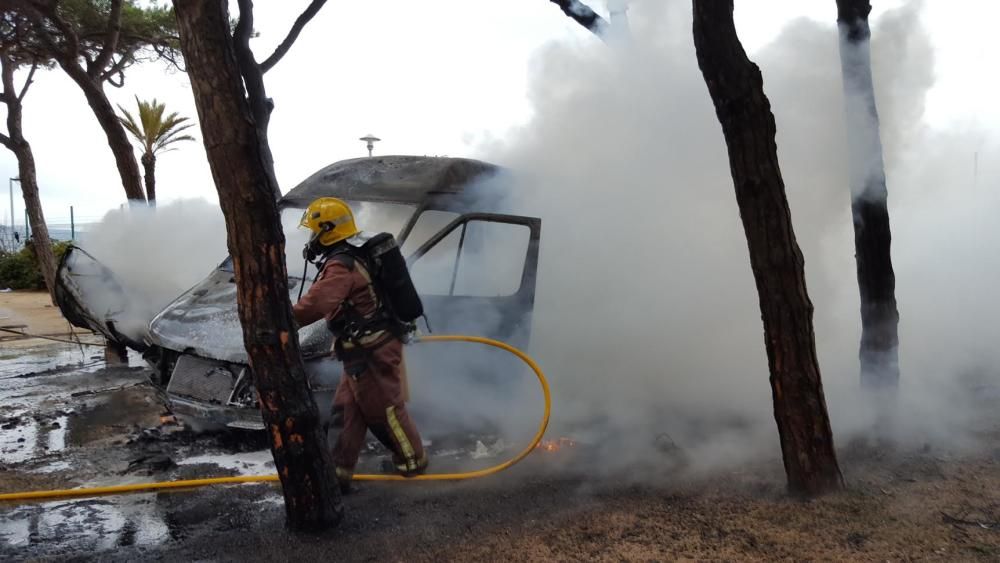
<point>149,175</point>
<point>117,137</point>
<point>261,106</point>
<point>737,90</point>
<point>66,51</point>
<point>583,15</point>
<point>17,144</point>
<point>256,243</point>
<point>33,204</point>
<point>879,349</point>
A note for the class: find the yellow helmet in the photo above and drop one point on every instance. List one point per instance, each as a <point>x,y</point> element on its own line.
<point>330,219</point>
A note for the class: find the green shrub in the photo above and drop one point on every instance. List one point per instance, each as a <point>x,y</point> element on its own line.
<point>19,270</point>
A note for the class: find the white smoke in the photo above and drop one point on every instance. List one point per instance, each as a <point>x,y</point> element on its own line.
<point>646,316</point>
<point>156,254</point>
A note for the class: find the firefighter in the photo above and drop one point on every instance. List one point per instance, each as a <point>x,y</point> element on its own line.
<point>370,395</point>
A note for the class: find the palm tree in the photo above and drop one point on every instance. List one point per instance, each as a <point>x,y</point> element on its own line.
<point>155,132</point>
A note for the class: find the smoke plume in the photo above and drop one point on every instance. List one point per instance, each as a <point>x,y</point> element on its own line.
<point>156,254</point>
<point>646,315</point>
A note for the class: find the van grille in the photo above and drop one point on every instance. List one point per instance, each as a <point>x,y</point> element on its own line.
<point>202,379</point>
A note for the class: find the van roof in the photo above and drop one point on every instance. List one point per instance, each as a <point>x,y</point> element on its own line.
<point>395,178</point>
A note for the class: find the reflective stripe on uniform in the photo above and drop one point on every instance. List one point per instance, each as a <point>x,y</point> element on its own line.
<point>420,465</point>
<point>404,442</point>
<point>368,278</point>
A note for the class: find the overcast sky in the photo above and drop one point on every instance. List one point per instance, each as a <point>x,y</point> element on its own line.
<point>442,77</point>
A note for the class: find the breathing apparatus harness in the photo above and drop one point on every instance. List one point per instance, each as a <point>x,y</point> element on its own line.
<point>397,305</point>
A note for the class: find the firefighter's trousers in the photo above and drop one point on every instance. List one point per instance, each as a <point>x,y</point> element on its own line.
<point>374,400</point>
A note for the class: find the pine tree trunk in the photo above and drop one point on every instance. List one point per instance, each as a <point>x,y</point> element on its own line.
<point>18,145</point>
<point>583,15</point>
<point>118,140</point>
<point>33,204</point>
<point>149,175</point>
<point>256,243</point>
<point>879,350</point>
<point>737,90</point>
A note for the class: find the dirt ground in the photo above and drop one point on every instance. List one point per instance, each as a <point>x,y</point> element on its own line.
<point>535,515</point>
<point>901,508</point>
<point>31,312</point>
<point>69,421</point>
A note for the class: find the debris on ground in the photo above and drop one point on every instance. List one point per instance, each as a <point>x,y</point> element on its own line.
<point>150,464</point>
<point>482,451</point>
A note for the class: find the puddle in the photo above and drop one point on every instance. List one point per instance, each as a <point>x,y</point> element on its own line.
<point>67,423</point>
<point>27,436</point>
<point>15,533</point>
<point>42,386</point>
<point>18,444</point>
<point>248,463</point>
<point>20,362</point>
<point>52,356</point>
<point>57,434</point>
<point>54,467</point>
<point>54,402</point>
<point>274,499</point>
<point>86,525</point>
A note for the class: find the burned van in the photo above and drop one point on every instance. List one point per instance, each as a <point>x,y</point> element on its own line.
<point>474,268</point>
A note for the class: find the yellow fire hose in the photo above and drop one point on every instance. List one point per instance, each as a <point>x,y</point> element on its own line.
<point>191,483</point>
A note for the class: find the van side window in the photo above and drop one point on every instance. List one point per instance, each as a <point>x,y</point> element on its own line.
<point>476,259</point>
<point>432,272</point>
<point>430,222</point>
<point>491,263</point>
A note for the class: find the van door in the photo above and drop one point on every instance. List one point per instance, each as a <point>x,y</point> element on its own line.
<point>477,276</point>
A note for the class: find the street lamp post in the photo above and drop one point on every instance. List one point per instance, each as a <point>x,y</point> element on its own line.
<point>370,140</point>
<point>11,184</point>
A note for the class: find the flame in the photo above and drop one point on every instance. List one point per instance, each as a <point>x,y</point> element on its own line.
<point>555,445</point>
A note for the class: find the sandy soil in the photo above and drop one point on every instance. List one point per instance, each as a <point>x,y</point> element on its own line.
<point>31,312</point>
<point>947,511</point>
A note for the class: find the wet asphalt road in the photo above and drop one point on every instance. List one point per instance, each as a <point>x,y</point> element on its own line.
<point>394,523</point>
<point>404,522</point>
<point>69,421</point>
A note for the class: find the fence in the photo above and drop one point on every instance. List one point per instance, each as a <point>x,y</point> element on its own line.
<point>60,229</point>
